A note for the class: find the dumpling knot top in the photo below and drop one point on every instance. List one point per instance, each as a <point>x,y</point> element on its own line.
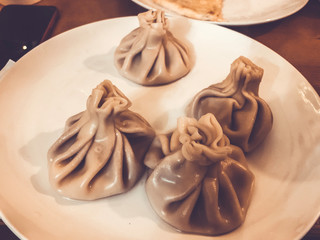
<point>244,116</point>
<point>199,182</point>
<point>101,150</point>
<point>150,55</point>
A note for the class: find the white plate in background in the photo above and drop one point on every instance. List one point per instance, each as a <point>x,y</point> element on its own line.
<point>246,12</point>
<point>53,81</point>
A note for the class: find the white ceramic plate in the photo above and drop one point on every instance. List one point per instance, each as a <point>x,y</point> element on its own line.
<point>53,82</point>
<point>248,12</point>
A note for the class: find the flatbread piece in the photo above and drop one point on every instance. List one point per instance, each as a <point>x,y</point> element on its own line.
<point>209,10</point>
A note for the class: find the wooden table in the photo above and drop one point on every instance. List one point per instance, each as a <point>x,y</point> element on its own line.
<point>296,38</point>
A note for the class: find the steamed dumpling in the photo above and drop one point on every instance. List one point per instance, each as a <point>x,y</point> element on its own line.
<point>101,150</point>
<point>199,182</point>
<point>244,116</point>
<point>150,55</point>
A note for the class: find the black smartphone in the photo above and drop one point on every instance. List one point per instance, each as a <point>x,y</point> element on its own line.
<point>23,27</point>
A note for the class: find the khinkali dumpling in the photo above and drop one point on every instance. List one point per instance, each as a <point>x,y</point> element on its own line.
<point>244,116</point>
<point>101,150</point>
<point>150,54</point>
<point>199,183</point>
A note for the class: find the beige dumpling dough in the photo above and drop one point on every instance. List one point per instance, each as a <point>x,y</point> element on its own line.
<point>244,116</point>
<point>150,55</point>
<point>101,151</point>
<point>199,182</point>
